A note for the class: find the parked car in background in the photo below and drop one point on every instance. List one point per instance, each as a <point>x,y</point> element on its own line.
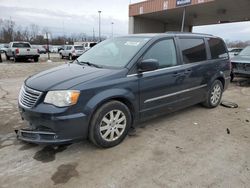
<point>72,51</point>
<point>41,49</point>
<point>234,51</point>
<point>21,50</point>
<point>48,48</point>
<point>120,82</point>
<point>54,49</point>
<point>4,47</point>
<point>241,64</point>
<point>88,45</point>
<point>60,48</point>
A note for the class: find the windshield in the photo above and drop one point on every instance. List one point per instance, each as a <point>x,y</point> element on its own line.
<point>116,52</point>
<point>245,52</point>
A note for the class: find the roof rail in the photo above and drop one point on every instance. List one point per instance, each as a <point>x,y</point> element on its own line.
<point>178,32</point>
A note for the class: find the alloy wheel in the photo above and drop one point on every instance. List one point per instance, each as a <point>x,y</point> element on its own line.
<point>215,94</point>
<point>112,125</point>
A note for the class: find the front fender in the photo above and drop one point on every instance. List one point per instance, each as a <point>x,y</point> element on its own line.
<point>109,94</point>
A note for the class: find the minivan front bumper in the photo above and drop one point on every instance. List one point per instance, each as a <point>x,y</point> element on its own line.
<point>54,128</point>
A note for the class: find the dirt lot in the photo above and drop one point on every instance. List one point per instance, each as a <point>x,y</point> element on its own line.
<point>195,147</point>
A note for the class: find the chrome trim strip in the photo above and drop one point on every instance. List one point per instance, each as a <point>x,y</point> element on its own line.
<point>36,132</point>
<point>28,97</point>
<point>176,93</point>
<point>130,75</point>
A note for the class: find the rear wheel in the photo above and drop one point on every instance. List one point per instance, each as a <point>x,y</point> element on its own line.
<point>232,77</point>
<point>36,59</point>
<point>214,95</point>
<point>70,57</point>
<point>110,124</point>
<point>7,57</point>
<point>16,59</point>
<point>61,56</point>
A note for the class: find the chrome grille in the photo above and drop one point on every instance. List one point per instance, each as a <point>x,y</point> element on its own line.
<point>28,97</point>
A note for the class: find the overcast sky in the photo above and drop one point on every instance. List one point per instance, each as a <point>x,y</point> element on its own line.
<point>80,16</point>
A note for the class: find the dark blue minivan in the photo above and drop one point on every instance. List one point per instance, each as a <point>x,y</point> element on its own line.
<point>121,81</point>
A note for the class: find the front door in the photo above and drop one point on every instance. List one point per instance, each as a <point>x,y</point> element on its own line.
<point>160,90</point>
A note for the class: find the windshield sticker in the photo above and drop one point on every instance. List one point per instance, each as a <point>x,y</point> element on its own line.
<point>131,43</point>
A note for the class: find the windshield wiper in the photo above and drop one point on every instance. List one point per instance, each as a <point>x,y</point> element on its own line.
<point>88,63</point>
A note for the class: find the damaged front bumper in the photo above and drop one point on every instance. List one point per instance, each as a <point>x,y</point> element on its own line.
<point>51,125</point>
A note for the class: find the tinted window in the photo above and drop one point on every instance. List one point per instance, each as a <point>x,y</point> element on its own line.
<point>79,47</point>
<point>92,45</point>
<point>217,48</point>
<point>193,50</point>
<point>164,51</point>
<point>68,47</point>
<point>21,45</point>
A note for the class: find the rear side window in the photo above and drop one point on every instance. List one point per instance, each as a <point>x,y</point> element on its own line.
<point>193,50</point>
<point>163,51</point>
<point>79,47</point>
<point>21,45</point>
<point>217,48</point>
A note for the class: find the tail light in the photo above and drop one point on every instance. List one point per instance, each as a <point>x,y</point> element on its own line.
<point>17,51</point>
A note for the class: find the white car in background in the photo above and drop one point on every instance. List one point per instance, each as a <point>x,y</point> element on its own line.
<point>234,51</point>
<point>72,51</point>
<point>88,45</point>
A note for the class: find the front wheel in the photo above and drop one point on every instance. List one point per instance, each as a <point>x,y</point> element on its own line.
<point>110,124</point>
<point>214,95</point>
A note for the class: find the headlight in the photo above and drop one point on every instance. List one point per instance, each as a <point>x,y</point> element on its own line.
<point>62,98</point>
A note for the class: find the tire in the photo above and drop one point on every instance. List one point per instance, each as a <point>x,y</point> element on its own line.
<point>102,118</point>
<point>61,56</point>
<point>214,95</point>
<point>232,77</point>
<point>70,57</point>
<point>15,59</point>
<point>36,59</point>
<point>7,57</point>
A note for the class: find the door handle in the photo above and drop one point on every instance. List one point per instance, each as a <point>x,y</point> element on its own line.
<point>176,74</point>
<point>188,71</point>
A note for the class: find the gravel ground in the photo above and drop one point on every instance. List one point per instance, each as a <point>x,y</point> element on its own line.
<point>195,147</point>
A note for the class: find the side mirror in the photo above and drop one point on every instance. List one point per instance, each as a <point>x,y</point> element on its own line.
<point>148,65</point>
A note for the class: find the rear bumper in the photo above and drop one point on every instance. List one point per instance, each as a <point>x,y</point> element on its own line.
<point>241,73</point>
<point>27,56</point>
<point>54,128</point>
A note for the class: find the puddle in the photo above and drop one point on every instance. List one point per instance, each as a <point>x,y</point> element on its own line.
<point>48,153</point>
<point>64,173</point>
<point>27,146</point>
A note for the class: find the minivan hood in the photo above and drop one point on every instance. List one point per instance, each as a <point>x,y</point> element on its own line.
<point>64,77</point>
<point>241,59</point>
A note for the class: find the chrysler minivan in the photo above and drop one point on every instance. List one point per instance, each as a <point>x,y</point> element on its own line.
<point>120,82</point>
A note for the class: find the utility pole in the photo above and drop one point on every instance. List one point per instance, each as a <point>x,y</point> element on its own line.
<point>47,36</point>
<point>99,25</point>
<point>112,29</point>
<point>93,34</point>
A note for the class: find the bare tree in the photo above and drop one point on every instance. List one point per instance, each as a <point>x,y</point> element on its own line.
<point>26,34</point>
<point>34,31</point>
